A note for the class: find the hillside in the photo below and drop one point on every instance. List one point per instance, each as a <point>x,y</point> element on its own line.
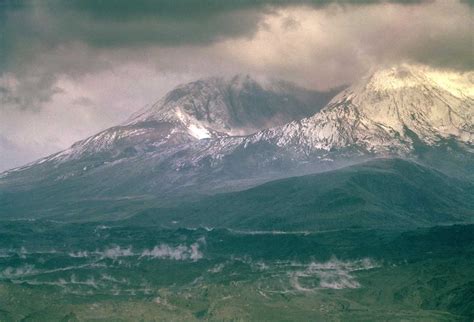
<point>384,193</point>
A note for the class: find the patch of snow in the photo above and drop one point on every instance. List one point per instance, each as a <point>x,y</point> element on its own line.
<point>199,132</point>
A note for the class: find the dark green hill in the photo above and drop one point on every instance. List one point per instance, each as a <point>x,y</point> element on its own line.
<point>386,193</point>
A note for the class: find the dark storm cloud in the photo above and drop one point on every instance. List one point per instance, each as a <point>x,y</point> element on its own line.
<point>30,93</point>
<point>42,39</point>
<point>29,27</point>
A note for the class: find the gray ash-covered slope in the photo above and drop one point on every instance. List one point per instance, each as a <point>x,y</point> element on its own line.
<point>186,142</point>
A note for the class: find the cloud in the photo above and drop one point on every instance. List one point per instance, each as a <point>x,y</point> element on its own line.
<point>47,38</point>
<point>325,48</point>
<point>30,93</point>
<point>42,39</point>
<point>33,26</point>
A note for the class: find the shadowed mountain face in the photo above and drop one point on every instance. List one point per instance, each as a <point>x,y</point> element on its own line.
<point>385,193</point>
<point>185,144</point>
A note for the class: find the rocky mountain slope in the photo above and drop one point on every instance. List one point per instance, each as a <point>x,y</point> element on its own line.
<point>235,106</point>
<point>385,111</point>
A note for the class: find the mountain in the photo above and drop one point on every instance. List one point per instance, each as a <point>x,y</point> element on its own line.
<point>209,108</point>
<point>388,111</point>
<point>406,110</point>
<point>142,155</point>
<point>239,105</point>
<point>383,193</point>
<point>185,145</point>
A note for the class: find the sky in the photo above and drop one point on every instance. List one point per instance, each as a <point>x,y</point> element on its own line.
<point>71,68</point>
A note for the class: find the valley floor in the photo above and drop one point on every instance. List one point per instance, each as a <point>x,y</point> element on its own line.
<point>73,272</point>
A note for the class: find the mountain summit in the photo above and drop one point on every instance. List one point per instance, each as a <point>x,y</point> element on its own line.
<point>238,105</point>
<point>387,112</point>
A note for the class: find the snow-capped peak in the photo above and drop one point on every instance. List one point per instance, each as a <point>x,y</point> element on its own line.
<point>405,76</point>
<point>432,104</point>
<point>384,110</point>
